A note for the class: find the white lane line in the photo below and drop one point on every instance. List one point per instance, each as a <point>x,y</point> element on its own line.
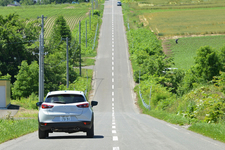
<point>112,53</point>
<point>112,42</point>
<point>114,123</point>
<point>112,73</point>
<point>112,68</point>
<point>113,131</point>
<point>112,79</point>
<point>113,99</point>
<point>112,45</point>
<point>115,138</point>
<point>112,39</point>
<point>112,58</point>
<point>114,127</point>
<point>112,35</point>
<point>112,108</point>
<point>172,126</point>
<point>113,87</point>
<point>112,104</point>
<point>112,63</point>
<point>112,93</point>
<point>116,148</point>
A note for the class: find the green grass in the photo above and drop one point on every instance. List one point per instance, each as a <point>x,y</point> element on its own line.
<point>185,51</point>
<point>10,129</point>
<point>214,131</point>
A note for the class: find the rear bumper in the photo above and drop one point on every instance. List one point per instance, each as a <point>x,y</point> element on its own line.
<point>66,127</point>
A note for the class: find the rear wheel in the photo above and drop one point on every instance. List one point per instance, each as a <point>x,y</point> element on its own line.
<point>42,134</point>
<point>90,132</point>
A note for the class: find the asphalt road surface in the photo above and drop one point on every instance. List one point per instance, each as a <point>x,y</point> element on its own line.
<point>118,123</point>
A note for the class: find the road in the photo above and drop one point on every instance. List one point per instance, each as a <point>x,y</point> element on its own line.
<point>118,123</point>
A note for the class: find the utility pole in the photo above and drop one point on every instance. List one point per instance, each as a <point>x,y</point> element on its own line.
<point>67,64</point>
<point>40,68</point>
<point>86,33</point>
<point>90,20</point>
<point>80,45</point>
<point>92,7</point>
<point>41,61</point>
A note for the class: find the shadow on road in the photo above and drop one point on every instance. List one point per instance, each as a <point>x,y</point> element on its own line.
<point>76,137</point>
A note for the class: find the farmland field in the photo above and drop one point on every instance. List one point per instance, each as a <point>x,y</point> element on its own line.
<point>185,51</point>
<point>71,12</point>
<point>186,22</point>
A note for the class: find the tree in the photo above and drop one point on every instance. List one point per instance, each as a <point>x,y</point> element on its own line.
<point>207,63</point>
<point>27,80</point>
<point>14,48</point>
<point>60,30</point>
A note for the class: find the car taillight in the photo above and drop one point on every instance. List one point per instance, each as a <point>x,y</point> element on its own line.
<point>85,105</point>
<point>46,106</point>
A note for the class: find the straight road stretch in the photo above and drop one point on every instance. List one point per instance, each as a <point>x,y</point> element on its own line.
<point>118,123</point>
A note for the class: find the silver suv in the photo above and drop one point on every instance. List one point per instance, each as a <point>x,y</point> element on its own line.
<point>65,111</point>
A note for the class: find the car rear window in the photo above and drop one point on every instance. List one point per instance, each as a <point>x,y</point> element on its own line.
<point>65,98</point>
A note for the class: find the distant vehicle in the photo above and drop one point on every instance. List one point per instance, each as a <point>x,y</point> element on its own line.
<point>119,4</point>
<point>65,111</point>
<point>169,70</point>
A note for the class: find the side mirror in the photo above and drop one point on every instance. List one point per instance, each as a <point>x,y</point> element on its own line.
<point>94,103</point>
<point>39,104</point>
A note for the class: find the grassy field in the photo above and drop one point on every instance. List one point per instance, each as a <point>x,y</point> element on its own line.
<point>186,22</point>
<point>180,17</point>
<point>171,4</point>
<point>185,51</point>
<point>71,12</point>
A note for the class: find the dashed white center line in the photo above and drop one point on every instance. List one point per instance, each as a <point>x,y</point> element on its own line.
<point>114,127</point>
<point>112,73</point>
<point>112,104</point>
<point>112,68</point>
<point>113,131</point>
<point>112,58</point>
<point>115,138</point>
<point>116,148</point>
<point>112,93</point>
<point>112,79</point>
<point>113,87</point>
<point>113,49</point>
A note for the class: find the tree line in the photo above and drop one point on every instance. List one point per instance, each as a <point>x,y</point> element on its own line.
<point>18,44</point>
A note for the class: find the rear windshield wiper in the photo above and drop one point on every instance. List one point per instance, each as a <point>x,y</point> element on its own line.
<point>59,102</point>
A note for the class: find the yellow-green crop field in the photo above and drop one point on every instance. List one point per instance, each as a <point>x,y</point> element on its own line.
<point>186,22</point>
<point>71,12</point>
<point>180,17</point>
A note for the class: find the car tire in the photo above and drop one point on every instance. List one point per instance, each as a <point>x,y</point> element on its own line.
<point>90,132</point>
<point>42,134</point>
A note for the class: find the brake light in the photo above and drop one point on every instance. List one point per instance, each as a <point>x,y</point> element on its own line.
<point>46,106</point>
<point>85,105</point>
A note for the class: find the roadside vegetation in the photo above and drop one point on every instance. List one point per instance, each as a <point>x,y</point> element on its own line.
<point>193,94</point>
<point>21,66</point>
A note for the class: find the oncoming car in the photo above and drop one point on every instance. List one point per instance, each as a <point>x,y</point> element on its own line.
<point>119,4</point>
<point>65,111</point>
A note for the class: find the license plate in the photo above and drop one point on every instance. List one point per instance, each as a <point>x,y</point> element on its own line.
<point>65,118</point>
